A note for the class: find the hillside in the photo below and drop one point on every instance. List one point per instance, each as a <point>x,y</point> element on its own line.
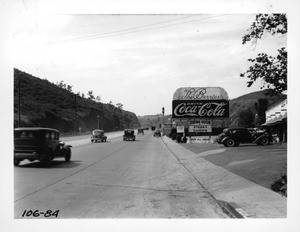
<point>45,104</point>
<point>236,105</point>
<point>153,120</point>
<point>248,101</point>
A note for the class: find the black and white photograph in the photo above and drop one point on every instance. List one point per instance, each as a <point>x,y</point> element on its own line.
<point>174,119</point>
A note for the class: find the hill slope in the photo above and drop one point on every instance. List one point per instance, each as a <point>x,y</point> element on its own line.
<point>248,101</point>
<point>45,104</point>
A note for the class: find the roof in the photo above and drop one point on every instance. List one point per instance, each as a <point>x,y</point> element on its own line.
<point>277,120</point>
<point>35,129</point>
<point>236,128</point>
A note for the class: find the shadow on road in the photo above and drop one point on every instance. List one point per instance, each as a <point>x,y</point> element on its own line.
<point>54,164</point>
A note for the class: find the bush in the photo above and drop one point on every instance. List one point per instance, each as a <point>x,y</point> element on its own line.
<point>280,185</point>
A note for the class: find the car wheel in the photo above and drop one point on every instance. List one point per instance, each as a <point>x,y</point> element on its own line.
<point>16,162</point>
<point>68,155</point>
<point>230,143</point>
<point>264,141</point>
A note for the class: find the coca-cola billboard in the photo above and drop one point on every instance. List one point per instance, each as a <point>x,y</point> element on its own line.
<point>200,109</point>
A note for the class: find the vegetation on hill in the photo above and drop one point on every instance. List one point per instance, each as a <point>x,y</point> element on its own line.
<point>45,104</point>
<point>154,120</point>
<point>246,105</point>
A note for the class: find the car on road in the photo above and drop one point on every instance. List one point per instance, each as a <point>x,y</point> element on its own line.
<point>231,137</point>
<point>128,135</point>
<point>37,143</point>
<point>157,133</point>
<point>141,131</point>
<point>98,135</point>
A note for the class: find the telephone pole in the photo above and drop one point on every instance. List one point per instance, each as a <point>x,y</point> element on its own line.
<point>75,116</point>
<point>19,102</point>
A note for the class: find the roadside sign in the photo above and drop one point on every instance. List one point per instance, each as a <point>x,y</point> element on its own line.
<point>200,125</point>
<point>180,129</point>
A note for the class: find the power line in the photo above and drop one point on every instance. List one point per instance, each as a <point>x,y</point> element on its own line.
<point>129,30</point>
<point>118,31</point>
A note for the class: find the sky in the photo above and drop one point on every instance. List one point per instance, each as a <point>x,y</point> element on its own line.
<point>139,60</point>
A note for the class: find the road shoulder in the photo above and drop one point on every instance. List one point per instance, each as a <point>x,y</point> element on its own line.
<point>248,199</point>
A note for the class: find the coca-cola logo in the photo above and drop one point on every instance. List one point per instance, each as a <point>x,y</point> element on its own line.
<point>189,109</point>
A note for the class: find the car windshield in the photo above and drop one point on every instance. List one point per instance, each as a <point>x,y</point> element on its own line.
<point>129,132</point>
<point>98,132</point>
<point>28,134</point>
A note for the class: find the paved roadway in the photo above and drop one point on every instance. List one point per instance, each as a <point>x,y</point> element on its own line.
<point>116,179</point>
<point>259,164</point>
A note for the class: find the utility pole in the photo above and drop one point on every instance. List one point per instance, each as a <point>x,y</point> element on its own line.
<point>163,113</point>
<point>19,102</point>
<point>102,118</point>
<point>75,116</point>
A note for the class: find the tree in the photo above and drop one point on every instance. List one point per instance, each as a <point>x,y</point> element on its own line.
<point>261,106</point>
<point>90,95</point>
<point>69,88</point>
<point>61,84</point>
<point>98,99</point>
<point>119,105</point>
<point>273,70</point>
<point>246,118</point>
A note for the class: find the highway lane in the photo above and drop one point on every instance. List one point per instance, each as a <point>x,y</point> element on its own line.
<point>116,179</point>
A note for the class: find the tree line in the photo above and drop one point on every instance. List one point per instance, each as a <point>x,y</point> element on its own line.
<point>90,94</point>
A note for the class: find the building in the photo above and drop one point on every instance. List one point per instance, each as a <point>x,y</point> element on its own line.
<point>276,120</point>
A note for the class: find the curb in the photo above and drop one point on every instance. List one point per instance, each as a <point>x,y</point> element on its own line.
<point>229,209</point>
<point>237,196</point>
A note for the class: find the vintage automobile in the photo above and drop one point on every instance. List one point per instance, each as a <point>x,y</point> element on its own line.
<point>128,135</point>
<point>157,133</point>
<point>231,137</point>
<point>141,131</point>
<point>37,143</point>
<point>98,135</point>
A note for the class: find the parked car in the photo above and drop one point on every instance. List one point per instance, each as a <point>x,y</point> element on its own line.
<point>98,135</point>
<point>37,143</point>
<point>231,137</point>
<point>141,131</point>
<point>157,133</point>
<point>128,135</point>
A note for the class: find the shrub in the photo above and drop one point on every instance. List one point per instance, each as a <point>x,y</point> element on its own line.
<point>280,185</point>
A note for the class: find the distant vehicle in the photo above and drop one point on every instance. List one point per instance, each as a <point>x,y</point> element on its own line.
<point>141,131</point>
<point>157,133</point>
<point>128,135</point>
<point>98,135</point>
<point>231,137</point>
<point>37,143</point>
<point>153,128</point>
